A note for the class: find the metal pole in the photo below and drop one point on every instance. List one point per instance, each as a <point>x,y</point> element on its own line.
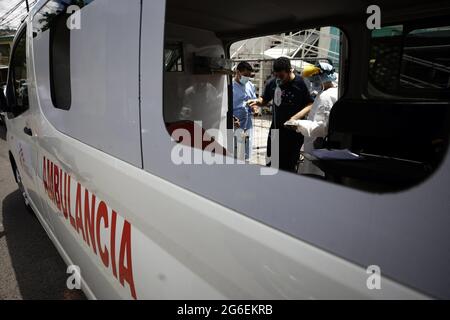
<point>28,5</point>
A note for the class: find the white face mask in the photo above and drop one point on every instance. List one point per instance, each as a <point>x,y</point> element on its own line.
<point>244,80</point>
<point>278,93</point>
<point>277,97</point>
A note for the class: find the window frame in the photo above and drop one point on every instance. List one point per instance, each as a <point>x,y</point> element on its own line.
<point>10,87</point>
<point>374,91</point>
<point>337,214</point>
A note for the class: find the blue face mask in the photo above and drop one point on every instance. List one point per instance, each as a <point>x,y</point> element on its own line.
<point>244,80</point>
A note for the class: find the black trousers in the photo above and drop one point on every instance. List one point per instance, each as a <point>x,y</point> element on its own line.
<point>290,144</point>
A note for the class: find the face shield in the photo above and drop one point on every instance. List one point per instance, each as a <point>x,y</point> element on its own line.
<point>316,83</point>
<point>319,74</point>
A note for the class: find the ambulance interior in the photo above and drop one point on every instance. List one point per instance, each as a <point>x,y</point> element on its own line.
<point>394,86</point>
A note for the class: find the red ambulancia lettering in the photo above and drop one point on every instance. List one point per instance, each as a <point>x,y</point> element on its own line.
<point>89,220</point>
<point>50,179</point>
<point>57,199</point>
<point>78,213</point>
<point>65,206</point>
<point>90,224</point>
<point>102,214</point>
<point>113,242</point>
<point>44,176</point>
<point>126,272</point>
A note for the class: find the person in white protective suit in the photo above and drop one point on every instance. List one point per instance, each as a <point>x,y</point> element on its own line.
<point>322,77</point>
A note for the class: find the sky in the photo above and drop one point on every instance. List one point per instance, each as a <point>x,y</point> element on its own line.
<point>5,5</point>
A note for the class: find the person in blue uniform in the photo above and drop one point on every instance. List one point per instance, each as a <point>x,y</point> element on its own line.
<point>244,93</point>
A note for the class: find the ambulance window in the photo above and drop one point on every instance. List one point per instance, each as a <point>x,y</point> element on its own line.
<point>18,92</point>
<point>410,62</point>
<point>205,97</point>
<point>305,50</point>
<point>281,103</point>
<point>60,62</point>
<point>56,16</point>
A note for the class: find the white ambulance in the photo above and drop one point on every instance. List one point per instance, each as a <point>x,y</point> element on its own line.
<point>95,87</point>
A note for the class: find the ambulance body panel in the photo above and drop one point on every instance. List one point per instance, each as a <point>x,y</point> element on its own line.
<point>187,247</point>
<point>100,179</point>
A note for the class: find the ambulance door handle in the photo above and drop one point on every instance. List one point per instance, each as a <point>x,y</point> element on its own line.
<point>28,131</point>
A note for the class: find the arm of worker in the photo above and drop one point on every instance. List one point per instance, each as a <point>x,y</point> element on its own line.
<point>317,128</point>
<point>253,102</point>
<point>266,97</point>
<point>236,122</point>
<point>303,113</point>
<point>259,102</point>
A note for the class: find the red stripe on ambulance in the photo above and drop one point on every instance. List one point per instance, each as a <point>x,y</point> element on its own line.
<point>88,222</point>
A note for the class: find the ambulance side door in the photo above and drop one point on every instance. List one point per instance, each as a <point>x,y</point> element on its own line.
<point>88,89</point>
<point>21,125</point>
